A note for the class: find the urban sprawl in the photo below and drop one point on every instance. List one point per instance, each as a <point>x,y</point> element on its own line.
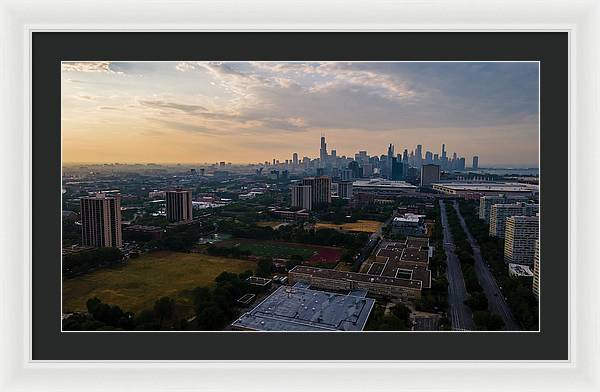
<point>410,241</point>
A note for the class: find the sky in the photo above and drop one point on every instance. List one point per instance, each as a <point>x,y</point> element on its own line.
<point>248,112</point>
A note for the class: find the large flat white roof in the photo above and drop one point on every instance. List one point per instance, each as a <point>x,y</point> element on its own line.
<point>382,183</point>
<point>489,186</point>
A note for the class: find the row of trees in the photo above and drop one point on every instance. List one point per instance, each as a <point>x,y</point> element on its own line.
<point>398,319</point>
<point>477,301</point>
<point>79,263</point>
<point>436,298</point>
<point>103,317</point>
<point>517,290</point>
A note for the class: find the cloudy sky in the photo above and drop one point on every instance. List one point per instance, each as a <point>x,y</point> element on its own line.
<point>193,112</point>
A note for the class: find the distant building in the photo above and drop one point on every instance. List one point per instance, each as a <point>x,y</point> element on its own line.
<point>430,174</point>
<point>500,212</point>
<point>101,221</point>
<point>475,165</point>
<point>320,189</point>
<point>378,186</point>
<point>397,171</point>
<point>536,270</point>
<point>485,188</point>
<point>302,196</point>
<point>486,203</point>
<point>345,190</point>
<point>179,205</point>
<point>519,239</point>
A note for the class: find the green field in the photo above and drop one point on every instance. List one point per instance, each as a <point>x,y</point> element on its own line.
<point>270,249</point>
<point>137,285</point>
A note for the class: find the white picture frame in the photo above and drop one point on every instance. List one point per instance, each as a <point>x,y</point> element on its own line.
<point>18,19</point>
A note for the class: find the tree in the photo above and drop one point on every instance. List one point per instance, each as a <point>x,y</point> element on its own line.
<point>164,309</point>
<point>264,267</point>
<point>294,261</point>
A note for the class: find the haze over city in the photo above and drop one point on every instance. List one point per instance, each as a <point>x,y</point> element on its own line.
<point>242,112</point>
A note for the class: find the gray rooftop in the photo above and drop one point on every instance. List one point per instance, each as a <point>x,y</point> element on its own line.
<point>301,309</point>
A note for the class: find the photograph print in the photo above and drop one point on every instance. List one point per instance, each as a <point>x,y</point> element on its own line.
<point>300,196</point>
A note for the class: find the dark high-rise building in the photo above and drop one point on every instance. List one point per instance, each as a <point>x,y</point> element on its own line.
<point>101,221</point>
<point>405,157</point>
<point>475,165</point>
<point>295,159</point>
<point>320,189</point>
<point>356,170</point>
<point>179,205</point>
<point>430,174</point>
<point>428,157</point>
<point>397,172</point>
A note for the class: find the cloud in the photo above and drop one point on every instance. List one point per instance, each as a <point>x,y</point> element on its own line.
<point>89,66</point>
<point>174,106</point>
<point>185,126</point>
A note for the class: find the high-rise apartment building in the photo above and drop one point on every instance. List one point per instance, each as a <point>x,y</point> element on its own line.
<point>430,174</point>
<point>519,239</point>
<point>486,203</point>
<point>320,189</point>
<point>475,165</point>
<point>500,212</point>
<point>345,190</point>
<point>302,196</point>
<point>101,221</point>
<point>179,205</point>
<point>536,270</point>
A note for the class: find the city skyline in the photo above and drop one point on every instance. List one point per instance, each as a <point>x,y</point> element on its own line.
<point>249,112</point>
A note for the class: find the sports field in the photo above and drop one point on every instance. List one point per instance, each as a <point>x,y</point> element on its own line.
<point>137,285</point>
<point>312,254</point>
<point>365,226</point>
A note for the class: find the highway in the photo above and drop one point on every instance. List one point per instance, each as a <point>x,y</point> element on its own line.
<point>460,315</point>
<point>496,302</point>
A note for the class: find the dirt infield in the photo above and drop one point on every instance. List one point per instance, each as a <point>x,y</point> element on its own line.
<point>360,226</point>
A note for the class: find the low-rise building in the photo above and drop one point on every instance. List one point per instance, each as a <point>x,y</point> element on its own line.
<point>409,224</point>
<point>299,308</point>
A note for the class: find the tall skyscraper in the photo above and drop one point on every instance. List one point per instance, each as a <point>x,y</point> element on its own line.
<point>302,196</point>
<point>519,239</point>
<point>536,270</point>
<point>179,205</point>
<point>101,221</point>
<point>320,189</point>
<point>419,155</point>
<point>430,174</point>
<point>295,159</point>
<point>405,157</point>
<point>323,151</point>
<point>475,165</point>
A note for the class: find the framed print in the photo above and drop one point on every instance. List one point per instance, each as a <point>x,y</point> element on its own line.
<point>275,200</point>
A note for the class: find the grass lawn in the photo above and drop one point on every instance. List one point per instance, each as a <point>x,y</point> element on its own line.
<point>137,285</point>
<point>366,226</point>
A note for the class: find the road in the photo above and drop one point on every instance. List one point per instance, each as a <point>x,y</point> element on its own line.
<point>496,302</point>
<point>461,316</point>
